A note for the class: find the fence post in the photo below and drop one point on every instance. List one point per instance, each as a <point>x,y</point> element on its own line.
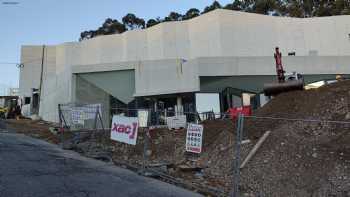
<point>145,148</point>
<point>60,123</point>
<point>145,143</point>
<point>157,117</point>
<point>96,117</point>
<point>100,118</point>
<point>236,176</point>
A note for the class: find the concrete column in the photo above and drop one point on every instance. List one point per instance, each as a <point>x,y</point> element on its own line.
<point>155,105</point>
<point>179,101</point>
<point>179,106</point>
<point>73,92</point>
<point>246,99</point>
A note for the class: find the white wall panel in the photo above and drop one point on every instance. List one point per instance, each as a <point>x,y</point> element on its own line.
<point>155,42</point>
<point>219,43</point>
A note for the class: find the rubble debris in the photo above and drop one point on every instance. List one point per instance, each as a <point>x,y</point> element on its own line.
<point>38,128</point>
<point>255,148</point>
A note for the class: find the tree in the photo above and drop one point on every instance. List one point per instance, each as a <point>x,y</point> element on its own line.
<point>111,26</point>
<point>108,27</point>
<point>117,27</point>
<point>292,8</point>
<point>242,5</point>
<point>132,22</point>
<point>85,35</point>
<point>236,5</point>
<point>295,9</point>
<point>338,7</point>
<point>152,22</point>
<point>308,8</point>
<point>191,13</point>
<point>264,6</point>
<point>173,16</point>
<point>346,11</point>
<point>215,5</point>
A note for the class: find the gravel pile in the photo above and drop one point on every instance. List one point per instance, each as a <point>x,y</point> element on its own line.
<point>299,158</point>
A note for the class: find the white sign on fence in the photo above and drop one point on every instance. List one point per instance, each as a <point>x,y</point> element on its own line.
<point>143,118</point>
<point>176,122</point>
<point>124,129</point>
<point>86,112</point>
<point>90,110</point>
<point>78,116</point>
<point>194,138</point>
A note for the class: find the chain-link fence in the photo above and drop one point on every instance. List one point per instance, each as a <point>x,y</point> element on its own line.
<point>81,116</point>
<point>159,117</point>
<point>83,122</point>
<point>245,156</point>
<point>159,150</point>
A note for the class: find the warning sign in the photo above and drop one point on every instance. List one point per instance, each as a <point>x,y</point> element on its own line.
<point>194,138</point>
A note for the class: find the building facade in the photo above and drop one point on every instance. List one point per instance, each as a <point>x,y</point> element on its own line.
<point>223,51</point>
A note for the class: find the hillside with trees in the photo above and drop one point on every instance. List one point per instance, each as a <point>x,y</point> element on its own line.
<point>291,8</point>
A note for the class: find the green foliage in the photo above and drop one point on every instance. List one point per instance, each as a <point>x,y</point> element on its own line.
<point>173,16</point>
<point>215,5</point>
<point>191,13</point>
<point>265,6</point>
<point>152,22</point>
<point>132,22</point>
<point>110,26</point>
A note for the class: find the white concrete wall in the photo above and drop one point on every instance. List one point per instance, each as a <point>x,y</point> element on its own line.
<point>216,34</point>
<point>245,34</point>
<point>231,66</point>
<point>166,77</point>
<point>49,86</point>
<point>204,34</point>
<point>30,72</point>
<point>219,43</point>
<point>56,85</point>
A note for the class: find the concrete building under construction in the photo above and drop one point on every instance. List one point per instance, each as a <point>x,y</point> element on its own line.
<point>225,52</point>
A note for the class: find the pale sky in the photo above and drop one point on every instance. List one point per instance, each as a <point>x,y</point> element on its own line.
<point>37,22</point>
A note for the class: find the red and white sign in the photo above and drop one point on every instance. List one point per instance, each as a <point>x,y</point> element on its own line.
<point>194,138</point>
<point>124,129</point>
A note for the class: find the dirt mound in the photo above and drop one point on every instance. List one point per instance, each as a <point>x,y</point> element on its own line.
<point>299,158</point>
<point>37,129</point>
<point>330,102</point>
<point>302,158</point>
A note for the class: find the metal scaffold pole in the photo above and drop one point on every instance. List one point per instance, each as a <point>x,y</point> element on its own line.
<point>237,158</point>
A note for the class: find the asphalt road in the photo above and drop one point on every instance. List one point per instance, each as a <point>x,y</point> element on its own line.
<point>31,167</point>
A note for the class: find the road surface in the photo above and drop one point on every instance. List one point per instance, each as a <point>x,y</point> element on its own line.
<point>31,167</point>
